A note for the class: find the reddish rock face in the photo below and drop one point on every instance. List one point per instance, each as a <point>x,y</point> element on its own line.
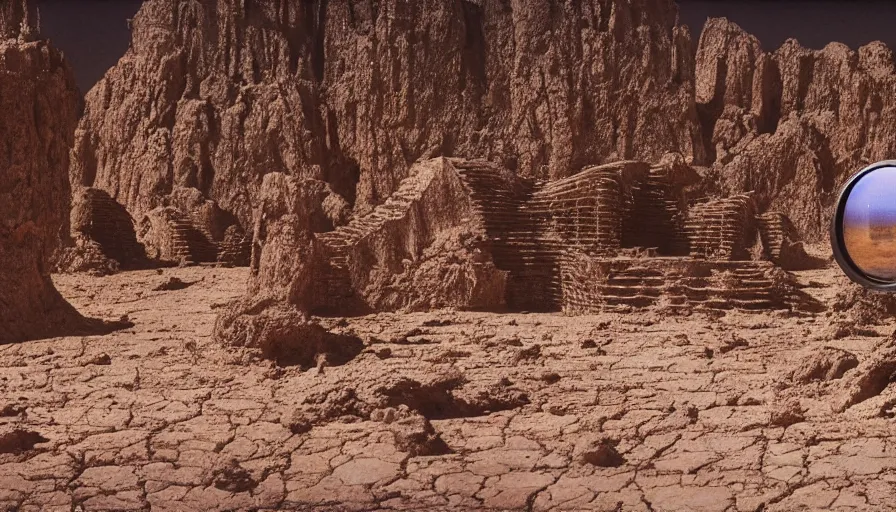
<point>286,257</point>
<point>38,113</point>
<point>793,124</point>
<point>215,94</point>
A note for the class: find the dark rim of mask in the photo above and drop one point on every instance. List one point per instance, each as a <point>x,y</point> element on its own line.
<point>841,255</point>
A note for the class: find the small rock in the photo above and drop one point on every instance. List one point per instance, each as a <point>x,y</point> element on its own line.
<point>732,343</point>
<point>10,410</point>
<point>589,344</point>
<point>101,359</point>
<point>786,413</point>
<point>19,440</point>
<point>512,342</point>
<point>598,451</point>
<point>299,422</point>
<point>234,478</point>
<point>532,352</point>
<point>681,340</point>
<point>551,377</point>
<point>172,284</point>
<point>826,364</point>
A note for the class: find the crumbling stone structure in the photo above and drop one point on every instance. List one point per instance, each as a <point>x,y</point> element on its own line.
<point>423,248</point>
<point>236,247</point>
<point>576,244</point>
<point>170,236</point>
<point>781,243</point>
<point>724,229</point>
<point>190,229</point>
<point>96,216</point>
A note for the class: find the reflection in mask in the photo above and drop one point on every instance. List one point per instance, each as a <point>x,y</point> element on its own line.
<point>869,224</point>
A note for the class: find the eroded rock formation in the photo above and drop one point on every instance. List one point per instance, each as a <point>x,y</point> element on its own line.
<point>793,124</point>
<point>214,94</point>
<point>286,258</point>
<point>38,113</point>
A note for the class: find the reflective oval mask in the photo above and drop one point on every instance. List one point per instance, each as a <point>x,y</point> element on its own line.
<point>863,232</point>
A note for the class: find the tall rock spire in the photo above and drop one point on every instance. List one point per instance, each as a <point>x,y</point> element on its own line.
<point>19,19</point>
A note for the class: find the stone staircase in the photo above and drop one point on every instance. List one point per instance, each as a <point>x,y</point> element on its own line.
<point>336,284</point>
<point>189,244</point>
<point>774,229</point>
<point>675,283</point>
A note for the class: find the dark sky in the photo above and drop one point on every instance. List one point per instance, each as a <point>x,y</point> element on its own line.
<point>94,34</point>
<point>813,23</point>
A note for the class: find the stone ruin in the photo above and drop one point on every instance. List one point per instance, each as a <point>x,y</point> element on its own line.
<point>469,234</point>
<point>103,240</point>
<point>613,235</point>
<point>190,229</point>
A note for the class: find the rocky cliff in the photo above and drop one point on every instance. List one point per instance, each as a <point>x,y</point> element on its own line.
<point>795,123</point>
<point>214,94</point>
<point>38,114</point>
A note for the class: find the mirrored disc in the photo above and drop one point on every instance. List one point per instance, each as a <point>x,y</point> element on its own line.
<point>869,223</point>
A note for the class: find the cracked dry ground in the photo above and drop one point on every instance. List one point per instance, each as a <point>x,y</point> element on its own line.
<point>506,411</point>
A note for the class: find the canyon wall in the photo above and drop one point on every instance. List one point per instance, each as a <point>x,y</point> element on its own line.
<point>214,94</point>
<point>795,123</point>
<point>38,113</point>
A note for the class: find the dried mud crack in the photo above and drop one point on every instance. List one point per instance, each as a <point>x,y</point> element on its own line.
<point>164,418</point>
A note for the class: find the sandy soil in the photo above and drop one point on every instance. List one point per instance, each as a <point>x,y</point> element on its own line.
<point>611,412</point>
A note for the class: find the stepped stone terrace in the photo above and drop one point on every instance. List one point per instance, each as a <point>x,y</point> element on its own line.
<point>613,236</point>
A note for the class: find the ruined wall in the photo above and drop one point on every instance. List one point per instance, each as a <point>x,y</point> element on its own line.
<point>655,209</point>
<point>724,229</point>
<point>795,123</point>
<point>38,113</point>
<point>213,94</point>
<point>96,216</point>
<point>782,243</point>
<point>423,248</point>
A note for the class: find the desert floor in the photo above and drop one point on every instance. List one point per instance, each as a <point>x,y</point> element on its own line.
<point>704,411</point>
